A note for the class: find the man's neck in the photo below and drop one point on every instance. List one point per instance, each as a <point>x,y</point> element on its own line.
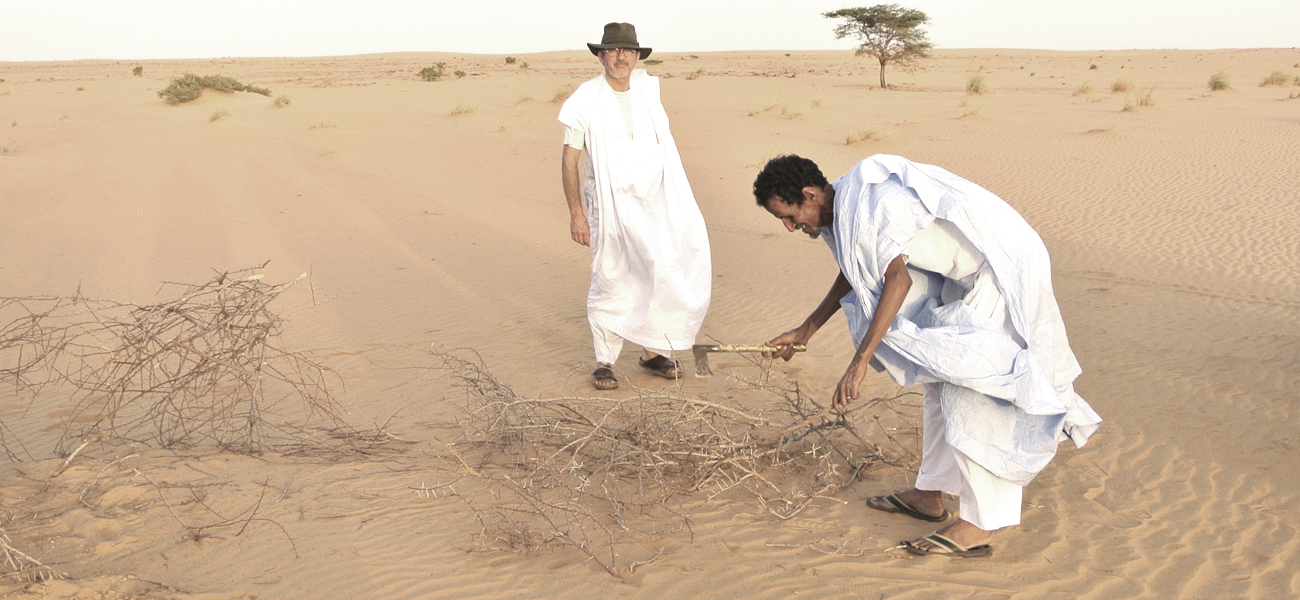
<point>619,85</point>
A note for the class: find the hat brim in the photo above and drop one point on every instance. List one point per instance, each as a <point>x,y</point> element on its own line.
<point>596,48</point>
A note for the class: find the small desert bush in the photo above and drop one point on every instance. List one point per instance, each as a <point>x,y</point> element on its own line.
<point>433,73</point>
<point>81,89</point>
<point>1143,97</point>
<point>1275,78</point>
<point>138,71</point>
<point>562,93</point>
<point>652,62</point>
<point>1083,90</point>
<point>864,134</point>
<point>692,76</point>
<point>1092,67</point>
<point>523,65</point>
<point>977,86</point>
<point>1121,85</point>
<point>463,108</point>
<point>218,114</point>
<point>510,60</point>
<point>281,101</point>
<point>459,74</point>
<point>1219,81</point>
<point>190,86</point>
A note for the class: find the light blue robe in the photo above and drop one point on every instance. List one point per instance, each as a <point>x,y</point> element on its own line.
<point>1006,406</point>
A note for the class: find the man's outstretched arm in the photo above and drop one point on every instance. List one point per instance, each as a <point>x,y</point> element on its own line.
<point>578,227</point>
<point>804,332</point>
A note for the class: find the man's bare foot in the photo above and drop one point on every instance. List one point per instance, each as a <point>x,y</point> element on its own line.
<point>969,540</point>
<point>926,505</point>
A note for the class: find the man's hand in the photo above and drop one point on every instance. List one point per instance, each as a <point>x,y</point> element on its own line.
<point>847,390</point>
<point>787,341</point>
<point>580,231</point>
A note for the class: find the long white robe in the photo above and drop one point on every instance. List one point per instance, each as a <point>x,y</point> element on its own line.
<point>651,274</point>
<point>1006,405</point>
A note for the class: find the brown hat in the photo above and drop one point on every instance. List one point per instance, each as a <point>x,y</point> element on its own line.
<point>619,35</point>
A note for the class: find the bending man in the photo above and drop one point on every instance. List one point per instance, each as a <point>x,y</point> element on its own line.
<point>945,285</point>
<point>650,267</point>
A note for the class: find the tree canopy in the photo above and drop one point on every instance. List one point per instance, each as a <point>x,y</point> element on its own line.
<point>889,32</point>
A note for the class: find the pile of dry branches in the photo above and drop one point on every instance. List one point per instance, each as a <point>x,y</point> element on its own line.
<point>205,367</point>
<point>580,471</point>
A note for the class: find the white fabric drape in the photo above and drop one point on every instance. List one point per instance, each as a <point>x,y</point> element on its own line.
<point>651,269</point>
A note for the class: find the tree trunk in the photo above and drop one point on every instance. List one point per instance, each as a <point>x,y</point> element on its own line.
<point>882,74</point>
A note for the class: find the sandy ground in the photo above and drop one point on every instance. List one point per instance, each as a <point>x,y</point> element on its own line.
<point>429,216</point>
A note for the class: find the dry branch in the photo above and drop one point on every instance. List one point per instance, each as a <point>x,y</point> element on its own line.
<point>579,471</point>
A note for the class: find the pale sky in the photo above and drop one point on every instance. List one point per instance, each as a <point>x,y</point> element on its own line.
<point>146,29</point>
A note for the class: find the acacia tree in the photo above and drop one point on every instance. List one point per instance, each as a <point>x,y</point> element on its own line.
<point>888,32</point>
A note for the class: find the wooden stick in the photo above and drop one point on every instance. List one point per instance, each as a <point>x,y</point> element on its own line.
<point>68,461</point>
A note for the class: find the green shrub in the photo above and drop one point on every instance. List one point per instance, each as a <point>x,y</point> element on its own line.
<point>523,65</point>
<point>1275,78</point>
<point>976,85</point>
<point>1219,81</point>
<point>459,74</point>
<point>190,86</point>
<point>433,73</point>
<point>652,62</point>
<point>510,60</point>
<point>138,71</point>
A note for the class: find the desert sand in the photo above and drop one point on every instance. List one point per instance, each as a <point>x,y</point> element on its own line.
<point>429,218</point>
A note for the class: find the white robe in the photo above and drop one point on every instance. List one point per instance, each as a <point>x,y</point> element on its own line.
<point>651,273</point>
<point>1006,405</point>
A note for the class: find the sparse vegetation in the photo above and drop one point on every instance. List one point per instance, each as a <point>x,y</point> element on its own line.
<point>281,101</point>
<point>1121,85</point>
<point>218,114</point>
<point>1219,82</point>
<point>692,56</point>
<point>433,73</point>
<point>190,86</point>
<point>1092,67</point>
<point>523,65</point>
<point>523,99</point>
<point>1143,97</point>
<point>459,74</point>
<point>888,32</point>
<point>1083,90</point>
<point>510,60</point>
<point>463,108</point>
<point>562,93</point>
<point>977,86</point>
<point>138,71</point>
<point>81,89</point>
<point>693,75</point>
<point>864,134</point>
<point>1275,78</point>
<point>652,62</point>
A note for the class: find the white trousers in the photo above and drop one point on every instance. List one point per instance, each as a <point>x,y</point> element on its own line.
<point>608,345</point>
<point>987,501</point>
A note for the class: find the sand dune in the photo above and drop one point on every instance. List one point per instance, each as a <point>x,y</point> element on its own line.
<point>429,217</point>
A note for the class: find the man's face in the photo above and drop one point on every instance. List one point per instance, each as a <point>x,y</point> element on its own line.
<point>804,217</point>
<point>619,62</point>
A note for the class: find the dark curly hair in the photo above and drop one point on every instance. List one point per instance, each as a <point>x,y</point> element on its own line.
<point>785,177</point>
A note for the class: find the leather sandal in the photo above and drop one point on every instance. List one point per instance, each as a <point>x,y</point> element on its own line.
<point>603,378</point>
<point>662,366</point>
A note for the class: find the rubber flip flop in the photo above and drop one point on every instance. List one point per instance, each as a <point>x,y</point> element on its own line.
<point>947,547</point>
<point>896,505</point>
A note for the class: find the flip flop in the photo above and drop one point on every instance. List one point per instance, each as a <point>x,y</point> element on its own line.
<point>603,379</point>
<point>896,505</point>
<point>947,547</point>
<point>662,366</point>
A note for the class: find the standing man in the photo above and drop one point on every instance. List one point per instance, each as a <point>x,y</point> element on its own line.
<point>631,203</point>
<point>943,284</point>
